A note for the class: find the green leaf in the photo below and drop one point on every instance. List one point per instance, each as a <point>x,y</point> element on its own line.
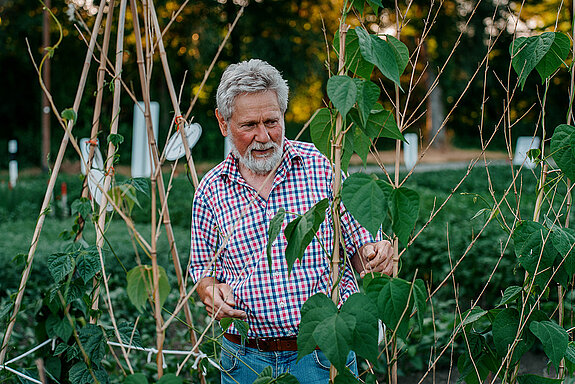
<point>534,379</point>
<point>570,353</point>
<point>361,143</point>
<point>366,330</point>
<point>380,53</point>
<point>401,53</point>
<point>346,377</point>
<point>545,52</point>
<point>69,114</point>
<point>511,293</point>
<point>60,265</point>
<point>170,378</point>
<point>555,57</point>
<point>82,206</point>
<point>55,326</point>
<point>420,296</point>
<point>554,339</point>
<point>226,322</point>
<point>354,61</point>
<point>321,128</point>
<point>367,96</point>
<point>140,285</point>
<point>242,327</point>
<point>87,264</point>
<point>529,237</point>
<point>366,199</point>
<point>93,342</point>
<point>80,374</point>
<point>380,123</point>
<point>404,207</point>
<point>266,376</point>
<point>115,138</point>
<point>562,149</point>
<point>136,378</point>
<point>273,232</point>
<point>313,312</point>
<point>301,231</point>
<point>342,92</point>
<point>395,305</point>
<point>334,334</point>
<point>375,5</point>
<point>141,184</point>
<point>564,242</point>
<point>128,334</point>
<point>505,326</point>
<point>472,315</point>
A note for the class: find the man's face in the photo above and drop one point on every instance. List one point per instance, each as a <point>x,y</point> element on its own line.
<point>256,128</point>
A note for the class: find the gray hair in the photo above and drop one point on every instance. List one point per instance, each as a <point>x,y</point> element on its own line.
<point>251,76</point>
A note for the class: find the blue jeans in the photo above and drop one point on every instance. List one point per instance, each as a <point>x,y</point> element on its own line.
<point>243,365</point>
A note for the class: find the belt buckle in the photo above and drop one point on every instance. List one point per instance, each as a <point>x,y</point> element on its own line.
<point>265,342</point>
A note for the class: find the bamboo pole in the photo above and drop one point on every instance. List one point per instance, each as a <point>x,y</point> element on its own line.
<point>178,119</point>
<point>337,150</point>
<point>97,106</point>
<point>160,186</point>
<point>50,188</point>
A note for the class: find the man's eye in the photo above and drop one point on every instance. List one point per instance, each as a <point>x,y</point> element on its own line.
<point>271,123</point>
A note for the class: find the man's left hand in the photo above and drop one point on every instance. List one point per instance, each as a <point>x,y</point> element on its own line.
<point>374,257</point>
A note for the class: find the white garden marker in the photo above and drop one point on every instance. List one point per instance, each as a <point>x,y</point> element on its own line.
<point>95,183</point>
<point>410,150</point>
<point>523,146</point>
<point>97,161</point>
<point>141,159</point>
<point>13,163</point>
<point>175,147</point>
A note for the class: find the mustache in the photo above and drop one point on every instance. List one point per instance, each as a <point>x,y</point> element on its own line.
<point>262,147</point>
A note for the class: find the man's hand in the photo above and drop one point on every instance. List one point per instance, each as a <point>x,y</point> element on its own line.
<point>374,257</point>
<point>218,299</point>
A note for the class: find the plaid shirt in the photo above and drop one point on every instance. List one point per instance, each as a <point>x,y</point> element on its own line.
<point>222,204</point>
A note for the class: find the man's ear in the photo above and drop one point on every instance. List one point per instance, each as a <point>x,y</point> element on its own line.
<point>222,123</point>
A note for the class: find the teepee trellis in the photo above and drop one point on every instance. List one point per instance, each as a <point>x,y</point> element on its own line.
<point>152,35</point>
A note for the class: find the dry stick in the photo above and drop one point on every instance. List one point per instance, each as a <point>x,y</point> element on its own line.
<point>209,70</point>
<point>178,118</point>
<point>97,108</point>
<point>161,189</point>
<point>337,143</point>
<point>48,195</point>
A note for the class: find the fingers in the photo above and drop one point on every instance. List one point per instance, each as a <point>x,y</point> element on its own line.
<point>220,303</point>
<point>378,257</point>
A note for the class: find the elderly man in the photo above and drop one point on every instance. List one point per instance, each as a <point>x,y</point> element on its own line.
<point>231,215</point>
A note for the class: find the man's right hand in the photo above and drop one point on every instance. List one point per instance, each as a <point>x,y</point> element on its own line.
<point>218,299</point>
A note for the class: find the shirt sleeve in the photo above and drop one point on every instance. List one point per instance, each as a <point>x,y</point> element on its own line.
<point>204,243</point>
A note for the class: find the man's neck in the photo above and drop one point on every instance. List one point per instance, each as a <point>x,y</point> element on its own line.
<point>260,182</point>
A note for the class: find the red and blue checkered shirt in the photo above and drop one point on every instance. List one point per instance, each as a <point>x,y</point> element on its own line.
<point>272,301</point>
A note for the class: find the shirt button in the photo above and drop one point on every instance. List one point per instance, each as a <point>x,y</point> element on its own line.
<point>282,304</point>
<point>276,275</point>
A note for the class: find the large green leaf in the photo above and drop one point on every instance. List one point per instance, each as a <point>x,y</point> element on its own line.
<point>88,264</point>
<point>395,305</point>
<point>128,334</point>
<point>361,143</point>
<point>505,326</point>
<point>470,316</point>
<point>365,333</point>
<point>321,131</point>
<point>367,96</point>
<point>334,335</point>
<point>420,295</point>
<point>534,379</point>
<point>61,327</point>
<point>366,199</point>
<point>140,285</point>
<point>301,231</point>
<point>81,374</point>
<point>554,339</point>
<point>562,149</point>
<point>136,378</point>
<point>273,232</point>
<point>342,92</point>
<point>267,376</point>
<point>570,352</point>
<point>93,342</point>
<point>511,293</point>
<point>545,52</point>
<point>404,207</point>
<point>354,61</point>
<point>313,312</point>
<point>60,265</point>
<point>536,257</point>
<point>380,53</point>
<point>401,53</point>
<point>170,378</point>
<point>380,123</point>
<point>564,242</point>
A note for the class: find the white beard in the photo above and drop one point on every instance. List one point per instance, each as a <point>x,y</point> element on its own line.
<point>259,166</point>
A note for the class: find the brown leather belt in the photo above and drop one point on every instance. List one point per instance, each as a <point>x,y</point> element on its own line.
<point>268,344</point>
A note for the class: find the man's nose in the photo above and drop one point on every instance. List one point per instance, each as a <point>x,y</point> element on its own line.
<point>262,134</point>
